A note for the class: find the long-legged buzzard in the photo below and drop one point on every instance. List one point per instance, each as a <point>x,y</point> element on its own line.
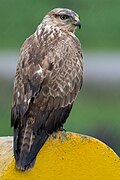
<point>48,79</point>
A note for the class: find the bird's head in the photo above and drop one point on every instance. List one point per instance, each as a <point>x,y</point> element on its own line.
<point>63,18</point>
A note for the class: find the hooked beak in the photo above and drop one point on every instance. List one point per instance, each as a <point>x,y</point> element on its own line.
<point>77,22</point>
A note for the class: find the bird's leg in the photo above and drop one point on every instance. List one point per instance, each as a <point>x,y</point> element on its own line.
<point>63,135</point>
<point>62,132</point>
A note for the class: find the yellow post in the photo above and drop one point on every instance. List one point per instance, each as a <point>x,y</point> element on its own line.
<point>77,157</point>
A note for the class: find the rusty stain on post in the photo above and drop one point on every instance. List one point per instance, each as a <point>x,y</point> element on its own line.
<point>76,157</point>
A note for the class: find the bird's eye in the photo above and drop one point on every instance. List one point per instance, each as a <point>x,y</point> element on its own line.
<point>64,17</point>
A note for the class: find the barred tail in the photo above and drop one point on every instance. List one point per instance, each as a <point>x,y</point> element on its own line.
<point>28,145</point>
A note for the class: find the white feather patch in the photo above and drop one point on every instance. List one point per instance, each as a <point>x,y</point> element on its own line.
<point>68,83</point>
<point>18,94</point>
<point>39,71</point>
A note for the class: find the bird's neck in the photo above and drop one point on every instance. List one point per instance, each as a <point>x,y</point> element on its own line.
<point>52,32</point>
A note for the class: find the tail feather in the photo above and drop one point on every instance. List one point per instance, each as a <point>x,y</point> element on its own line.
<point>28,146</point>
<point>37,145</point>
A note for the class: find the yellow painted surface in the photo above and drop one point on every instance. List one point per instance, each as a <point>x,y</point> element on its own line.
<point>78,157</point>
<point>6,153</point>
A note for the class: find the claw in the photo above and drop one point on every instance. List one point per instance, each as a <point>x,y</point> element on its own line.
<point>54,135</point>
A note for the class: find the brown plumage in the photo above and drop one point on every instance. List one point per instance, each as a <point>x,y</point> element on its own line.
<point>48,78</point>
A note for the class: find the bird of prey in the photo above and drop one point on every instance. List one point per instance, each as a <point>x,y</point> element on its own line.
<point>48,78</point>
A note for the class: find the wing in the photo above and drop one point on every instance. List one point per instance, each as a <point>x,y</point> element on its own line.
<point>28,80</point>
<point>66,77</point>
<point>50,80</point>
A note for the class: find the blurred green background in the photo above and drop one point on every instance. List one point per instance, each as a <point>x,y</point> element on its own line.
<point>96,111</point>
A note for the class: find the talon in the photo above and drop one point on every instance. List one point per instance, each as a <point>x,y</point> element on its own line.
<point>62,129</point>
<point>63,135</point>
<point>54,135</point>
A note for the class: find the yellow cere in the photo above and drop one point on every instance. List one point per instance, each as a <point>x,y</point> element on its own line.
<point>75,157</point>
